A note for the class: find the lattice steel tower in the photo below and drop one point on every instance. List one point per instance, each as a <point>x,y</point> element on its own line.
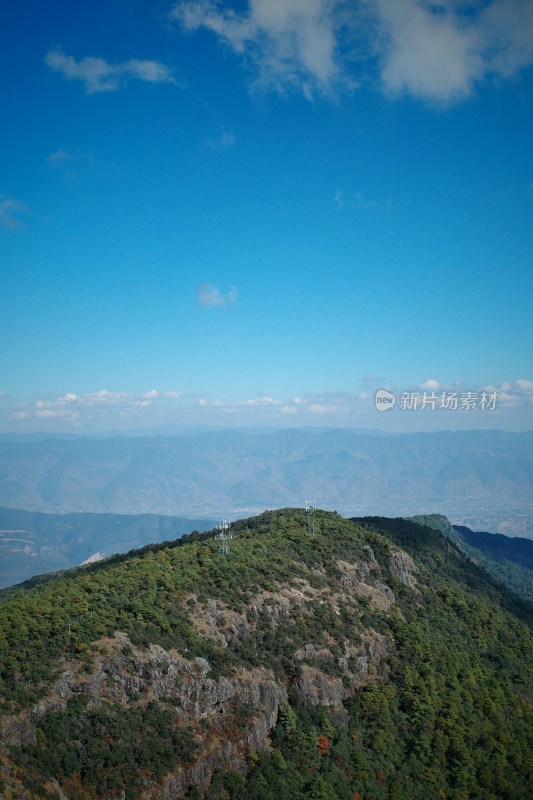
<point>309,507</point>
<point>224,536</point>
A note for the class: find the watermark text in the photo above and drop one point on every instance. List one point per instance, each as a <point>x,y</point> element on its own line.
<point>445,401</point>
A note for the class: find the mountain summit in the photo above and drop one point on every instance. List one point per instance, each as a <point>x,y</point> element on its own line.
<point>342,659</point>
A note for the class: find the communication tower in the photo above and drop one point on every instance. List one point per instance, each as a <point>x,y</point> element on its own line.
<point>224,536</point>
<point>310,508</point>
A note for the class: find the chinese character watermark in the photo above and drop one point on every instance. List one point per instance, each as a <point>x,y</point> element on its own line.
<point>446,401</point>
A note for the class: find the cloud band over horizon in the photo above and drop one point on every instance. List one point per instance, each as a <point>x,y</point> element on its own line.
<point>108,410</point>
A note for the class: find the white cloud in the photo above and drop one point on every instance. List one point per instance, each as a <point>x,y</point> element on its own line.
<point>326,403</point>
<point>508,31</point>
<point>290,43</point>
<point>10,208</point>
<point>512,394</point>
<point>106,410</point>
<point>98,75</point>
<point>232,405</point>
<point>437,50</point>
<point>210,296</point>
<point>100,408</point>
<point>525,386</point>
<point>260,401</point>
<point>62,407</point>
<point>430,384</point>
<point>101,399</point>
<point>432,53</point>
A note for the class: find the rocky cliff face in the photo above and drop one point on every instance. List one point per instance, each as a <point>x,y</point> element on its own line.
<point>123,673</point>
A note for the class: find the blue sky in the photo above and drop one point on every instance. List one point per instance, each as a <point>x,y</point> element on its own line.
<point>260,213</point>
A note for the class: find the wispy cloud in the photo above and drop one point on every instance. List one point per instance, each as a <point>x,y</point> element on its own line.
<point>10,209</point>
<point>252,402</point>
<point>512,394</point>
<point>98,75</point>
<point>339,199</point>
<point>210,296</point>
<point>59,158</point>
<point>363,203</point>
<point>70,166</point>
<point>306,409</point>
<point>358,201</point>
<point>98,406</point>
<point>437,51</point>
<point>224,139</point>
<point>289,43</point>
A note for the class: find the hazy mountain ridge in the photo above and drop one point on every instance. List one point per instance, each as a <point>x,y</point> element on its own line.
<point>469,475</point>
<point>508,559</point>
<point>32,543</point>
<point>371,658</point>
<point>511,548</point>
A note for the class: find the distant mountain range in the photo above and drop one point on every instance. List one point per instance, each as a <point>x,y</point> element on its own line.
<point>481,479</point>
<point>32,543</point>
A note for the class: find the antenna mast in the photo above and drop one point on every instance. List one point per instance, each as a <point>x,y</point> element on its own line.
<point>310,508</point>
<point>224,537</point>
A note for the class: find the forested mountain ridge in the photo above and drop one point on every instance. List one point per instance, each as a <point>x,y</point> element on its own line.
<point>509,559</point>
<point>346,659</point>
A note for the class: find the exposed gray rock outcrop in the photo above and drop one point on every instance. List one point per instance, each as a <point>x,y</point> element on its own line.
<point>404,568</point>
